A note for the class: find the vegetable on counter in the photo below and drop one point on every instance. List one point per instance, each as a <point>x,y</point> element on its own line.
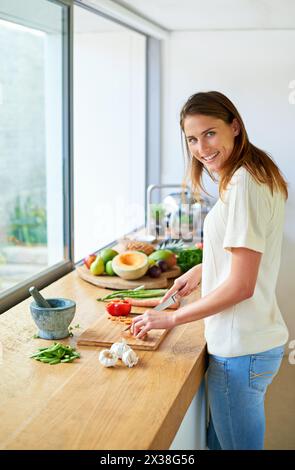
<point>119,348</point>
<point>189,258</point>
<point>130,358</point>
<point>107,358</point>
<point>135,294</point>
<point>55,354</point>
<point>118,308</point>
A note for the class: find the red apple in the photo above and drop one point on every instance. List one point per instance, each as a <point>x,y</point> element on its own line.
<point>89,260</point>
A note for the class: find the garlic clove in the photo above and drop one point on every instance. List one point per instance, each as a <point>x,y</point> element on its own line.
<point>129,358</point>
<point>107,358</point>
<point>119,348</point>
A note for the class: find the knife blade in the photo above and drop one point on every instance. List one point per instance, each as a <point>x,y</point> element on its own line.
<point>159,308</point>
<point>170,301</point>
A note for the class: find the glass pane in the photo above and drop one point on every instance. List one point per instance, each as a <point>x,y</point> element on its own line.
<point>31,170</point>
<point>109,131</point>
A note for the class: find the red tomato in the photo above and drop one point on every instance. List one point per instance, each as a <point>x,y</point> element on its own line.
<point>118,308</point>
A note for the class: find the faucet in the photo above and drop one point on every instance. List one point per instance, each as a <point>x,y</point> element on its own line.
<point>150,189</point>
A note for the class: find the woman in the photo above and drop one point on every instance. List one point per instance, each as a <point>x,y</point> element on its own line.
<point>244,329</point>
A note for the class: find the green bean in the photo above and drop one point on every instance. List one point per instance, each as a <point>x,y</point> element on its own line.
<point>35,355</point>
<point>56,353</point>
<point>47,354</point>
<point>54,348</point>
<point>45,359</point>
<point>55,361</point>
<point>60,353</point>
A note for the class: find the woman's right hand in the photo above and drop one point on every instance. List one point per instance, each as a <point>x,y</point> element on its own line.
<point>186,283</point>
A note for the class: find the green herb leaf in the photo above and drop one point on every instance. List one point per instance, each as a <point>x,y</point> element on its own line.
<point>189,258</point>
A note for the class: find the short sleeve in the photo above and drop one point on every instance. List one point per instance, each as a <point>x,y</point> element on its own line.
<point>247,213</point>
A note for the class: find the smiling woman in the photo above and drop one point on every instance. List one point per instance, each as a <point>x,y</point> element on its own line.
<point>214,131</point>
<point>242,240</point>
<point>214,144</point>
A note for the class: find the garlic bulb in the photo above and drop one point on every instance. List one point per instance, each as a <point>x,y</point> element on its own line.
<point>130,358</point>
<point>107,358</point>
<point>119,348</point>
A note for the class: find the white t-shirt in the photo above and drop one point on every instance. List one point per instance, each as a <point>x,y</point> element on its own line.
<point>249,217</point>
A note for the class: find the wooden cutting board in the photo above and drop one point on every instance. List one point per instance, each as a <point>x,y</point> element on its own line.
<point>104,332</point>
<point>116,282</point>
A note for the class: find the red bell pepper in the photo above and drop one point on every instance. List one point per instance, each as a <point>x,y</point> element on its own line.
<point>119,308</point>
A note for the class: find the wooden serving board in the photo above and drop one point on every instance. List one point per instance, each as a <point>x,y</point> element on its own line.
<point>116,282</point>
<point>105,332</point>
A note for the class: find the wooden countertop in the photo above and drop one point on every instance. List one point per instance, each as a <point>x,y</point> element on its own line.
<point>83,405</point>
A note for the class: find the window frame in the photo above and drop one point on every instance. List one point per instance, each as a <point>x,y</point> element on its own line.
<point>16,294</point>
<point>20,292</point>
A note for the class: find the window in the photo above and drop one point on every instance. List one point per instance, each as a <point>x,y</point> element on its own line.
<point>37,201</point>
<point>32,138</point>
<point>109,131</point>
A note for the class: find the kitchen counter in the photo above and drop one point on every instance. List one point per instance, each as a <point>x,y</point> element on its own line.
<point>82,405</point>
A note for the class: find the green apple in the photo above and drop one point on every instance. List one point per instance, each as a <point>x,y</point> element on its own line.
<point>164,255</point>
<point>108,254</point>
<point>109,269</point>
<point>97,267</point>
<point>160,255</point>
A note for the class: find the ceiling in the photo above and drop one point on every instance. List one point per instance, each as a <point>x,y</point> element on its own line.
<point>198,15</point>
<point>86,22</point>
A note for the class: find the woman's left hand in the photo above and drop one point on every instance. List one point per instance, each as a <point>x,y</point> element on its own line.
<point>151,320</point>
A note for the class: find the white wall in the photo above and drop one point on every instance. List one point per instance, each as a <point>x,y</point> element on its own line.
<point>109,137</point>
<point>254,69</point>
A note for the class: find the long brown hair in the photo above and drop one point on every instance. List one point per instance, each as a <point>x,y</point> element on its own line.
<point>259,164</point>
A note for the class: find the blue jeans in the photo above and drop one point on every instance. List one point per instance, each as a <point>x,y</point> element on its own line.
<point>236,391</point>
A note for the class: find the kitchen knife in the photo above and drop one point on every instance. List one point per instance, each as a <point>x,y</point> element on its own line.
<point>159,308</point>
<point>170,301</point>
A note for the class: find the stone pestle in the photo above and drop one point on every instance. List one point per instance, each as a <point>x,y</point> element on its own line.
<point>39,299</point>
